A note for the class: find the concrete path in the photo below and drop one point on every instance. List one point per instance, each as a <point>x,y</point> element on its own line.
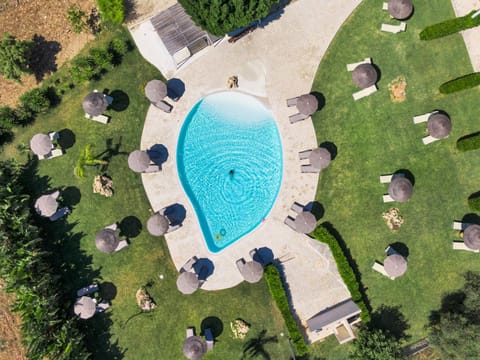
<point>274,63</point>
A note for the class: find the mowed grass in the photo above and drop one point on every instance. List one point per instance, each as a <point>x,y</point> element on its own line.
<point>375,136</point>
<point>123,329</point>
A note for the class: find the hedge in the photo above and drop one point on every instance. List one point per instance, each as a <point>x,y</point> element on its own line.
<point>275,285</point>
<point>469,142</point>
<point>112,10</point>
<point>345,270</point>
<point>449,27</point>
<point>462,83</point>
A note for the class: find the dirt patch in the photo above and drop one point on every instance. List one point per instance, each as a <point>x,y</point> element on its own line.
<point>398,89</point>
<point>44,22</point>
<point>10,347</point>
<point>139,10</point>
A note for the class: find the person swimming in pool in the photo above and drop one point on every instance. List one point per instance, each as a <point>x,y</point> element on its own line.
<point>231,172</point>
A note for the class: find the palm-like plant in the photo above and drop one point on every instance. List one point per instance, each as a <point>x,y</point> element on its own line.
<point>87,158</point>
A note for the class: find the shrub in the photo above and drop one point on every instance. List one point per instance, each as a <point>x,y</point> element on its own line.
<point>77,19</point>
<point>83,69</point>
<point>36,100</point>
<point>118,47</point>
<point>345,270</point>
<point>7,119</point>
<point>14,56</point>
<point>112,10</point>
<point>464,82</point>
<point>23,115</point>
<point>474,203</point>
<point>469,142</point>
<point>275,285</point>
<point>449,27</point>
<point>101,57</point>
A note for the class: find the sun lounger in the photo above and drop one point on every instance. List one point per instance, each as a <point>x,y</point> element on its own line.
<point>53,135</point>
<point>290,222</point>
<point>52,154</point>
<point>240,263</point>
<point>104,119</point>
<point>164,106</point>
<point>59,214</point>
<point>113,227</point>
<point>428,139</point>
<point>460,245</point>
<point>385,6</point>
<point>122,244</point>
<point>302,155</point>
<point>394,29</point>
<point>109,99</point>
<point>190,332</point>
<point>188,266</point>
<point>173,228</point>
<point>209,338</point>
<point>351,67</point>
<point>297,117</point>
<point>101,307</point>
<point>385,179</point>
<point>422,118</point>
<point>458,225</point>
<point>292,101</point>
<point>390,251</point>
<point>296,207</point>
<point>307,169</point>
<point>379,267</point>
<point>365,92</point>
<point>387,198</point>
<point>152,169</point>
<point>90,289</point>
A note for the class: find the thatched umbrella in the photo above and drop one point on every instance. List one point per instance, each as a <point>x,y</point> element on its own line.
<point>41,144</point>
<point>187,282</point>
<point>307,104</point>
<point>155,91</point>
<point>84,307</point>
<point>194,347</point>
<point>107,240</point>
<point>157,224</point>
<point>320,158</point>
<point>95,103</point>
<point>400,9</point>
<point>138,161</point>
<point>471,237</point>
<point>364,75</point>
<point>305,222</point>
<point>400,189</point>
<point>46,205</point>
<point>439,125</point>
<point>252,271</point>
<point>395,265</point>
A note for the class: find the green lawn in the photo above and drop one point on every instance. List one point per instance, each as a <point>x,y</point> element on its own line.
<point>374,136</point>
<point>156,335</point>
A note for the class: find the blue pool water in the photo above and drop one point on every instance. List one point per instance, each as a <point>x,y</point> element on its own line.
<point>229,159</point>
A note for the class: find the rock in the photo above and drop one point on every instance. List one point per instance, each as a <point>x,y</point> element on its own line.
<point>232,82</point>
<point>103,185</point>
<point>144,300</point>
<point>239,328</point>
<point>394,219</point>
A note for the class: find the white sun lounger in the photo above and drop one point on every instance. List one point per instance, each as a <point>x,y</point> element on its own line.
<point>53,135</point>
<point>152,169</point>
<point>189,333</point>
<point>290,222</point>
<point>394,29</point>
<point>173,228</point>
<point>101,307</point>
<point>297,117</point>
<point>104,119</point>
<point>381,269</point>
<point>189,264</point>
<point>52,154</point>
<point>460,245</point>
<point>351,67</point>
<point>113,227</point>
<point>296,207</point>
<point>164,106</point>
<point>385,6</point>
<point>387,198</point>
<point>87,290</point>
<point>302,155</point>
<point>458,225</point>
<point>385,179</point>
<point>365,92</point>
<point>307,169</point>
<point>292,101</point>
<point>121,245</point>
<point>428,139</point>
<point>422,118</point>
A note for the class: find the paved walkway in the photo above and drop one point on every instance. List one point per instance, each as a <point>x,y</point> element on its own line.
<point>274,63</point>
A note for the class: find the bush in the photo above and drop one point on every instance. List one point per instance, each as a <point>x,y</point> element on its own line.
<point>23,115</point>
<point>14,57</point>
<point>118,47</point>
<point>462,83</point>
<point>345,270</point>
<point>449,27</point>
<point>7,119</point>
<point>83,69</point>
<point>275,285</point>
<point>112,10</point>
<point>77,18</point>
<point>36,100</point>
<point>469,142</point>
<point>101,57</point>
<point>474,203</point>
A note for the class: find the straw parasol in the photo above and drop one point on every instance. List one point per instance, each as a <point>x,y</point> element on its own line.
<point>364,75</point>
<point>439,125</point>
<point>307,104</point>
<point>46,205</point>
<point>400,9</point>
<point>305,222</point>
<point>471,237</point>
<point>395,265</point>
<point>95,103</point>
<point>252,271</point>
<point>400,189</point>
<point>155,91</point>
<point>106,240</point>
<point>320,158</point>
<point>187,282</point>
<point>138,161</point>
<point>41,144</point>
<point>84,307</point>
<point>194,347</point>
<point>157,224</point>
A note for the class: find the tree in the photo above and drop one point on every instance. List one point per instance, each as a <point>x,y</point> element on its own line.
<point>77,18</point>
<point>374,344</point>
<point>219,17</point>
<point>14,57</point>
<point>87,158</point>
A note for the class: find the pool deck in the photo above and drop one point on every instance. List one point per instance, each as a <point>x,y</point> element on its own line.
<point>273,74</point>
<point>470,36</point>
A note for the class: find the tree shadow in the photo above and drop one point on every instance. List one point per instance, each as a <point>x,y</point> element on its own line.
<point>176,214</point>
<point>70,196</point>
<point>158,154</point>
<point>475,134</point>
<point>213,323</point>
<point>43,57</point>
<point>451,303</point>
<point>175,88</point>
<point>204,267</point>
<point>66,139</point>
<point>99,338</point>
<point>471,218</point>
<point>130,10</point>
<point>108,291</point>
<point>316,209</point>
<point>130,227</point>
<point>121,101</point>
<point>474,195</point>
<point>408,174</point>
<point>255,346</point>
<point>390,320</point>
<point>331,147</point>
<point>320,98</point>
<point>110,151</point>
<point>400,248</point>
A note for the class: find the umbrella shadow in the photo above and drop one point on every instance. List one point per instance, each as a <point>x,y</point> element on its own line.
<point>66,138</point>
<point>130,227</point>
<point>213,323</point>
<point>121,101</point>
<point>108,291</point>
<point>175,89</point>
<point>320,98</point>
<point>176,214</point>
<point>264,256</point>
<point>204,267</point>
<point>471,218</point>
<point>400,248</point>
<point>331,147</point>
<point>316,209</point>
<point>378,71</point>
<point>70,196</point>
<point>158,154</point>
<point>407,174</point>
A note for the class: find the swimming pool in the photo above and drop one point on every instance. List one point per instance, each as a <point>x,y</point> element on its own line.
<point>229,159</point>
